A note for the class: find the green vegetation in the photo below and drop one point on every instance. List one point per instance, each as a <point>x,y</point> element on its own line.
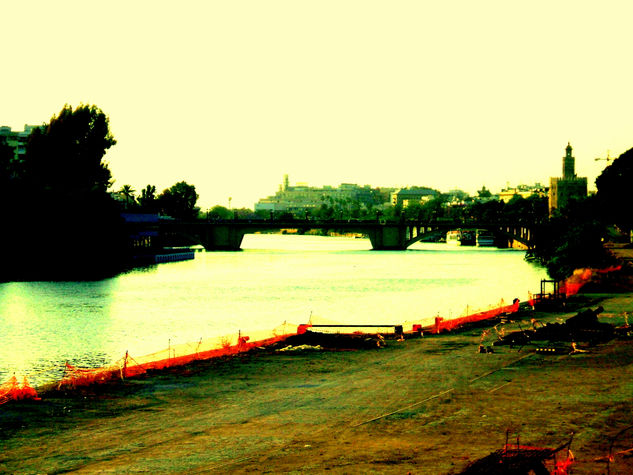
<point>56,207</point>
<point>572,239</point>
<point>614,192</point>
<point>179,201</point>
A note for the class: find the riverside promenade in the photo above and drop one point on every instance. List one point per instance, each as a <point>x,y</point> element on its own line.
<point>424,405</point>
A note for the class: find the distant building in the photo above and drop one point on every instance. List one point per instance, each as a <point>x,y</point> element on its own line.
<point>524,191</point>
<point>17,139</point>
<point>300,198</point>
<point>407,196</point>
<point>569,187</point>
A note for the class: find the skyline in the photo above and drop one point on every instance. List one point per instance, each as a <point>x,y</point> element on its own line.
<point>230,97</point>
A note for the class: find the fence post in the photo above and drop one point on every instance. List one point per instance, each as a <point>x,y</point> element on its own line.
<point>124,371</point>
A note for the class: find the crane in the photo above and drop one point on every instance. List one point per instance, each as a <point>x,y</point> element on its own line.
<point>608,158</point>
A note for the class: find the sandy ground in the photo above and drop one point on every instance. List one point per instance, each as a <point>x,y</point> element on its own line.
<point>427,405</point>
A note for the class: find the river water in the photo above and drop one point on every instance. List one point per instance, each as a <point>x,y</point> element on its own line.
<point>275,278</point>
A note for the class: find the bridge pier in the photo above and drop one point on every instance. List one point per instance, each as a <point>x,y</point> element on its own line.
<point>388,238</point>
<point>221,238</point>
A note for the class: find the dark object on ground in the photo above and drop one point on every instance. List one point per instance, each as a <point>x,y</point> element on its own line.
<point>510,462</point>
<point>519,460</point>
<point>584,326</point>
<point>341,341</point>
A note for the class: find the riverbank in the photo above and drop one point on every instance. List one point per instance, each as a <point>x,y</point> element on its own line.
<point>426,405</point>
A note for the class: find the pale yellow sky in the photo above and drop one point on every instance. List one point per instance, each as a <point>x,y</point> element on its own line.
<point>230,96</point>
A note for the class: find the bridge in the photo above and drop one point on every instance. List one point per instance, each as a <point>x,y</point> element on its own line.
<point>227,235</point>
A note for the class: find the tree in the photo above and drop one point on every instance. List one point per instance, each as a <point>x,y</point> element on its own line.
<point>220,212</point>
<point>572,239</point>
<point>65,158</point>
<point>614,191</point>
<point>484,192</point>
<point>66,217</point>
<point>488,211</point>
<point>434,208</point>
<point>7,164</point>
<point>128,192</point>
<point>179,201</point>
<point>414,211</point>
<point>148,201</point>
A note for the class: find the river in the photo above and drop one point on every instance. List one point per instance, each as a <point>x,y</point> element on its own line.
<point>275,278</point>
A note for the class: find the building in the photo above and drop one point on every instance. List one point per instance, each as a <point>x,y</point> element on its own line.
<point>407,196</point>
<point>524,191</point>
<point>17,139</point>
<point>301,198</point>
<point>568,187</point>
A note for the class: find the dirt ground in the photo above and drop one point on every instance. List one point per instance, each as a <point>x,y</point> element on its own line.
<point>425,405</point>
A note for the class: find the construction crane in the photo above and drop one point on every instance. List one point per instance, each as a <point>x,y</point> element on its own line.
<point>608,158</point>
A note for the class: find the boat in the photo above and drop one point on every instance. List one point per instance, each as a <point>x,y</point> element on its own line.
<point>460,237</point>
<point>454,237</point>
<point>484,237</point>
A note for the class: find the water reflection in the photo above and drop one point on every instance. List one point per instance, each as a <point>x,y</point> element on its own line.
<point>46,323</point>
<point>275,279</point>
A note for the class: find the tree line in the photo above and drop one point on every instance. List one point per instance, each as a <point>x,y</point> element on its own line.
<point>177,201</point>
<point>59,219</point>
<point>57,210</point>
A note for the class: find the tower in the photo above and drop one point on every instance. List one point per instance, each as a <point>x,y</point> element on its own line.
<point>568,187</point>
<point>569,164</point>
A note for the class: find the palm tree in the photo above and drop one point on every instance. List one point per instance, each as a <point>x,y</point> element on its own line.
<point>128,192</point>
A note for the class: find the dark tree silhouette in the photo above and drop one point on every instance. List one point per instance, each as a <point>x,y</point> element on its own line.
<point>614,191</point>
<point>179,201</point>
<point>65,158</point>
<point>147,200</point>
<point>63,213</point>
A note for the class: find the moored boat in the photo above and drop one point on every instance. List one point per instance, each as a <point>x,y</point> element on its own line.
<point>454,237</point>
<point>460,237</point>
<point>484,237</point>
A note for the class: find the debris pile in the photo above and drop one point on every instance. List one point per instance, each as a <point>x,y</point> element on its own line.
<point>520,459</point>
<point>582,327</point>
<point>343,341</point>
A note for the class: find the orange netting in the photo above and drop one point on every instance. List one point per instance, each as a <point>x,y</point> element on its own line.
<point>580,277</point>
<point>175,355</point>
<point>447,325</point>
<point>13,391</point>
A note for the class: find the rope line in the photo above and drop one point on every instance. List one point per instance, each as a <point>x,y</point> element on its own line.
<point>440,393</point>
<point>405,408</point>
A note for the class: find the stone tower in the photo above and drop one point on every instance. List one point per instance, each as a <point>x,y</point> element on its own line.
<point>568,187</point>
<point>569,164</point>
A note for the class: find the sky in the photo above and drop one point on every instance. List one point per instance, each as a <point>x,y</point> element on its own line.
<point>230,96</point>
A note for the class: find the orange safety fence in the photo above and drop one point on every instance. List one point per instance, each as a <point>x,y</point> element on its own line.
<point>580,277</point>
<point>13,391</point>
<point>416,327</point>
<point>448,325</point>
<point>174,355</point>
